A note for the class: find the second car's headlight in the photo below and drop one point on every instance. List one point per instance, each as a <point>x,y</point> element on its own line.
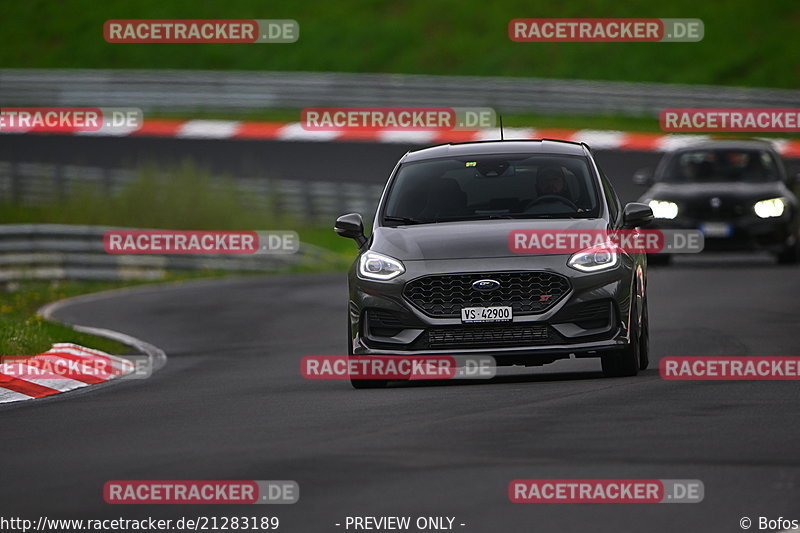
<point>373,265</point>
<point>595,259</point>
<point>770,208</point>
<point>663,209</point>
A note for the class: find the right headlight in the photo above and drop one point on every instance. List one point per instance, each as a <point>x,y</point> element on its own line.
<point>372,265</point>
<point>663,209</point>
<point>770,208</point>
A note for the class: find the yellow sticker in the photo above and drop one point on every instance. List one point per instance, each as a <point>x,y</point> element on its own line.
<point>471,163</point>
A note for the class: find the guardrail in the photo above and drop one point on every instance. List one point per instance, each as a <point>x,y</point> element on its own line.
<point>61,252</point>
<point>315,201</point>
<point>174,90</point>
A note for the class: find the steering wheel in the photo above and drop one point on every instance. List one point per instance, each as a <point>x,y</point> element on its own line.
<point>549,198</point>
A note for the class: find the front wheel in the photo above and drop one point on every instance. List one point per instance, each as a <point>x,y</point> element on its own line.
<point>369,383</point>
<point>789,255</point>
<point>626,362</point>
<point>659,259</point>
<point>644,339</point>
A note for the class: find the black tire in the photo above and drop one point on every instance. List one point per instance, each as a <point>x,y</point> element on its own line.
<point>625,362</point>
<point>644,339</point>
<point>659,259</point>
<point>790,255</point>
<point>362,383</point>
<point>369,383</point>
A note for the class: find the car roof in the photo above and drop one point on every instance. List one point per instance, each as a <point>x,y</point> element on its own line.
<point>517,146</point>
<point>712,144</point>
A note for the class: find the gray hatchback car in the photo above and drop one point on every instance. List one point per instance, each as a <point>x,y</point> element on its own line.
<point>437,275</point>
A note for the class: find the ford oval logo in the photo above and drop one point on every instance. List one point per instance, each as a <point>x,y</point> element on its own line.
<point>486,285</point>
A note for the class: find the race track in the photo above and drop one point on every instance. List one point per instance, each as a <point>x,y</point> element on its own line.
<point>231,404</point>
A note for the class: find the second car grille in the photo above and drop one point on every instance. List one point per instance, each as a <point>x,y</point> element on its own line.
<point>526,292</point>
<point>725,209</point>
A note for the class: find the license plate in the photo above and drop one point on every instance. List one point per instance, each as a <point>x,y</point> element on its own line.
<point>486,314</point>
<point>716,229</point>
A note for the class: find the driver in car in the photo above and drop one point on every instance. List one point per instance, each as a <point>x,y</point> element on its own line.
<point>551,182</point>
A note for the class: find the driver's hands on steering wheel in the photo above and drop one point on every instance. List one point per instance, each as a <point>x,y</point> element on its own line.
<point>549,198</point>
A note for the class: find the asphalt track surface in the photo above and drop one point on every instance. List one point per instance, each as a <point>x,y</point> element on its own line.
<point>231,404</point>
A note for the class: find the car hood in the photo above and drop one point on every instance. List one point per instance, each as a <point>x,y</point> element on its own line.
<point>465,240</point>
<point>695,191</point>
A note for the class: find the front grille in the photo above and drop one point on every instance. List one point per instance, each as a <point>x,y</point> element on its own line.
<point>475,336</point>
<point>526,292</point>
<point>701,208</point>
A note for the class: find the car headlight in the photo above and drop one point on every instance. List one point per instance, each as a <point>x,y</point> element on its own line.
<point>596,258</point>
<point>663,209</point>
<point>770,208</point>
<point>373,265</point>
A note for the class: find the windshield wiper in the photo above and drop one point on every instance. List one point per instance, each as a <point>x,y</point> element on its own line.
<point>405,220</point>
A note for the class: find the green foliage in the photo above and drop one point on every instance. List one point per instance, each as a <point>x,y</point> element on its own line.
<point>746,43</point>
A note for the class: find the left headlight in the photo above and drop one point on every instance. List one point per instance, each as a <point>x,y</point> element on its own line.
<point>595,259</point>
<point>373,265</point>
<point>770,208</point>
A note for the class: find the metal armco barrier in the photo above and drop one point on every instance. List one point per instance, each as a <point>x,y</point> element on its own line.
<point>60,252</point>
<point>175,90</point>
<point>313,201</point>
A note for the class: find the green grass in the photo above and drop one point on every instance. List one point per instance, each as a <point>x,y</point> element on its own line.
<point>23,332</point>
<point>746,43</point>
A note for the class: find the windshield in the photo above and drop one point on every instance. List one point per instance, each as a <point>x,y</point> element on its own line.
<point>698,166</point>
<point>486,187</point>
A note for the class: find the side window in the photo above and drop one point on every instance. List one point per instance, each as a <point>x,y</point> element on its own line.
<point>611,196</point>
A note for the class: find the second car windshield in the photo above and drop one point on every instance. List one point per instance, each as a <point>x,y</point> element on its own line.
<point>699,166</point>
<point>486,187</point>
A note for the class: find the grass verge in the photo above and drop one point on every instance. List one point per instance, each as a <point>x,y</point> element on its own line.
<point>23,332</point>
<point>745,43</point>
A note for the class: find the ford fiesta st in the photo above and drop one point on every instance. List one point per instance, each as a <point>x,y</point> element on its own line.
<point>734,191</point>
<point>437,275</point>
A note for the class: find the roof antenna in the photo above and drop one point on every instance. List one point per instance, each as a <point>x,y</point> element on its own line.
<point>501,127</point>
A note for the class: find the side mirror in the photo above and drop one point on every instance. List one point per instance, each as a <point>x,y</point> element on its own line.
<point>636,215</point>
<point>643,176</point>
<point>352,227</point>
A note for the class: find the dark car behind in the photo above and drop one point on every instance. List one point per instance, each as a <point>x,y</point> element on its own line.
<point>736,192</point>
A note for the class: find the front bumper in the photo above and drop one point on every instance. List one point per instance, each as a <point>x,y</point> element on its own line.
<point>747,232</point>
<point>591,318</point>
